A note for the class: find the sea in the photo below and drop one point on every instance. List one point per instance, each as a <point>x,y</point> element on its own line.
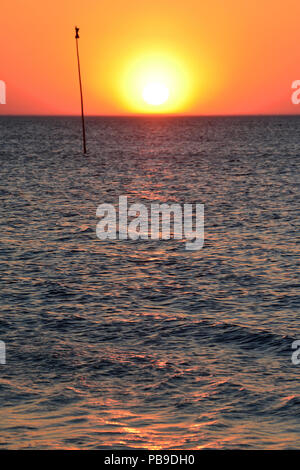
<point>143,344</point>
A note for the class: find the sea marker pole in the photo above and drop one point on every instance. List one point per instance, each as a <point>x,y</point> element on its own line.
<point>80,85</point>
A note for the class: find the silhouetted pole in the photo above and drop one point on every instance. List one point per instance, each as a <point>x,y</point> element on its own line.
<point>80,85</point>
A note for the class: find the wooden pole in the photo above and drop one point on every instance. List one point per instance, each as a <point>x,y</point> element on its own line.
<point>80,86</point>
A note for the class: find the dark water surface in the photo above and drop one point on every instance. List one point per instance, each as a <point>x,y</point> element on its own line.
<point>123,344</point>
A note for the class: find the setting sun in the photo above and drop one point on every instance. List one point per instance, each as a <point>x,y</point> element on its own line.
<point>155,82</point>
<point>155,93</point>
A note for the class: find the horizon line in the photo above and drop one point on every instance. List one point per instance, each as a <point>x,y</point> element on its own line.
<point>155,115</point>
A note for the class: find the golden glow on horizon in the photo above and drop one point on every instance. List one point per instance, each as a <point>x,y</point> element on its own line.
<point>213,57</point>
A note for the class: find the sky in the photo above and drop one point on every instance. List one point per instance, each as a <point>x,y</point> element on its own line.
<point>211,57</point>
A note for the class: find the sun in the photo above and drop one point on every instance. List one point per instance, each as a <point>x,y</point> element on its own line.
<point>156,82</point>
<point>155,93</point>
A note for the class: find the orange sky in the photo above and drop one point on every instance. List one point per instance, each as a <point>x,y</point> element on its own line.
<point>223,57</point>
